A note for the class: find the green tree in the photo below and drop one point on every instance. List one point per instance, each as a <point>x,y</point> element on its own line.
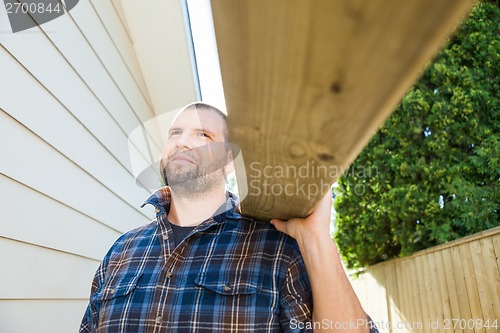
<point>434,169</point>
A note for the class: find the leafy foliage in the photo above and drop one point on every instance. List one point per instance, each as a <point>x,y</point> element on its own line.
<point>434,165</point>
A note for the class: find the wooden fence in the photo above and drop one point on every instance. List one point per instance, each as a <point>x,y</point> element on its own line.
<point>454,287</point>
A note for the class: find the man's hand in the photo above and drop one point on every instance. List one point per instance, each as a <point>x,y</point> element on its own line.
<point>314,226</point>
<point>334,299</point>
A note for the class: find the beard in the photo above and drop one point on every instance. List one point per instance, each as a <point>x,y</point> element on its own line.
<point>193,181</point>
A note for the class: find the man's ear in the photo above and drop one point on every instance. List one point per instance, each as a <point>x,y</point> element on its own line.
<point>229,167</point>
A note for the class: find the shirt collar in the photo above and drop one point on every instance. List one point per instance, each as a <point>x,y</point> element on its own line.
<point>161,198</point>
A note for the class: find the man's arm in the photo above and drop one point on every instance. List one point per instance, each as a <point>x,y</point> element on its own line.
<point>91,315</point>
<point>334,300</point>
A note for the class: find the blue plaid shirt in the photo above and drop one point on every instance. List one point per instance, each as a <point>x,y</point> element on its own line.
<point>230,274</point>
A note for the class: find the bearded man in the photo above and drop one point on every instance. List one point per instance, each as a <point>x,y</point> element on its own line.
<point>200,266</point>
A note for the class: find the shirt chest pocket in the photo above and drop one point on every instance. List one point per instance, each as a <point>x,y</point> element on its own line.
<point>242,299</point>
<point>119,286</point>
<point>229,285</point>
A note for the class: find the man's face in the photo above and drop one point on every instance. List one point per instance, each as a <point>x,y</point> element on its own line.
<point>195,154</point>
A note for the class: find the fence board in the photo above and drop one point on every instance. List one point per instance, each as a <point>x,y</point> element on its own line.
<point>430,283</point>
<point>496,246</point>
<point>402,280</point>
<point>438,305</point>
<point>443,288</point>
<point>492,274</point>
<point>452,286</point>
<point>481,282</point>
<point>412,299</point>
<point>422,290</point>
<point>465,310</point>
<point>457,283</point>
<point>470,282</point>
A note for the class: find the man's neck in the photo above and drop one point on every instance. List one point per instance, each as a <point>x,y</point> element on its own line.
<point>194,210</point>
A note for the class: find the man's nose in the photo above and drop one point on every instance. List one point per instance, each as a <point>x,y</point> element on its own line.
<point>184,141</point>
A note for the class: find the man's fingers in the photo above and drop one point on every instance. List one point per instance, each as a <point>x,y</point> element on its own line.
<point>279,225</point>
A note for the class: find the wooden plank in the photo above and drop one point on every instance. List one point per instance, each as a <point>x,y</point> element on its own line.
<point>435,293</point>
<point>307,83</point>
<point>471,284</point>
<point>53,218</point>
<point>392,293</point>
<point>370,295</point>
<point>42,316</point>
<point>410,311</point>
<point>404,307</point>
<point>463,298</point>
<point>35,272</point>
<point>451,286</point>
<point>416,297</point>
<point>423,293</point>
<point>443,288</point>
<point>358,283</point>
<point>483,290</point>
<point>492,271</point>
<point>379,293</point>
<point>496,246</point>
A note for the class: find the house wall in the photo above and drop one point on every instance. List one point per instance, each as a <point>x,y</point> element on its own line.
<point>71,93</point>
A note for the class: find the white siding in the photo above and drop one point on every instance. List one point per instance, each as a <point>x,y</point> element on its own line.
<point>32,315</point>
<point>71,93</point>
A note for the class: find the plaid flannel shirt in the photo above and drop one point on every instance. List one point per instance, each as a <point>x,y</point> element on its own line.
<point>230,274</point>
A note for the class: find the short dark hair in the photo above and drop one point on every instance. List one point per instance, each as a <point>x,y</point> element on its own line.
<point>200,106</point>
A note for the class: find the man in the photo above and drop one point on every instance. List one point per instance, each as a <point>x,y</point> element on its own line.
<point>202,267</point>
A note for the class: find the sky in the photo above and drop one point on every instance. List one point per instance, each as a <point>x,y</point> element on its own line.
<point>205,46</point>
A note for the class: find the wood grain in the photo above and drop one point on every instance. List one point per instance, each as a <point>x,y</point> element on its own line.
<point>492,273</point>
<point>457,283</point>
<point>449,278</point>
<point>307,84</point>
<point>460,280</point>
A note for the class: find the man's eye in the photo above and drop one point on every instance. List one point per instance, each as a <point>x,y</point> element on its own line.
<point>174,133</point>
<point>203,134</point>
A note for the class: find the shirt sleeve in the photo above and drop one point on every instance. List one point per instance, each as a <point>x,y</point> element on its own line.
<point>296,298</point>
<point>91,316</point>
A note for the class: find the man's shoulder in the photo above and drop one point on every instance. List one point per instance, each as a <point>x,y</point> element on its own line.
<point>135,236</point>
<point>264,232</point>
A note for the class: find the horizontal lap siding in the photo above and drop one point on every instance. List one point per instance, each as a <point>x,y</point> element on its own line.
<point>71,93</point>
<point>57,315</point>
<point>33,217</point>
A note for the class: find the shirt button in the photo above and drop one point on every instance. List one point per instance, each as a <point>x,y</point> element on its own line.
<point>112,291</point>
<point>165,236</point>
<point>169,274</point>
<point>159,320</point>
<point>157,210</point>
<point>226,287</point>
